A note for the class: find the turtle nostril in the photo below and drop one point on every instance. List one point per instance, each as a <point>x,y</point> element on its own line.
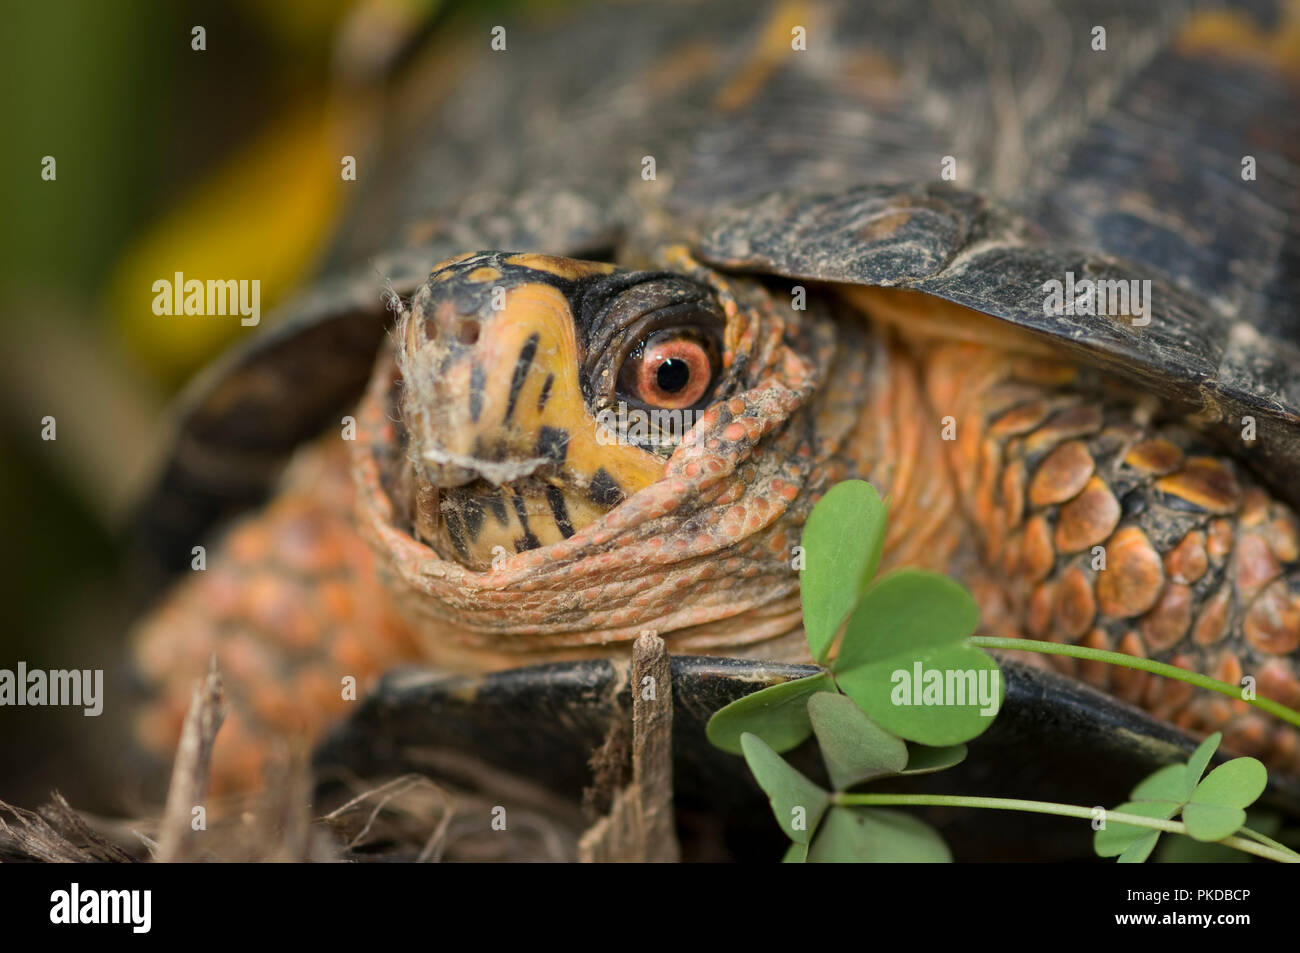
<point>468,332</point>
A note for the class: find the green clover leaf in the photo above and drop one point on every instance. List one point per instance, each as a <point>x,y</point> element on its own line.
<point>1130,843</point>
<point>876,835</point>
<point>796,854</point>
<point>906,662</point>
<point>923,759</point>
<point>797,802</point>
<point>778,714</point>
<point>1212,807</point>
<point>842,542</point>
<point>1161,794</point>
<point>853,746</point>
<point>1215,810</point>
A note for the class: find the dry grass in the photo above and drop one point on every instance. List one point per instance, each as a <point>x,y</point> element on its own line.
<point>408,818</point>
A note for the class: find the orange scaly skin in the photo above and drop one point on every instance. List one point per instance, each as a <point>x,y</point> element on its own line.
<point>290,603</point>
<point>352,570</point>
<point>1200,563</point>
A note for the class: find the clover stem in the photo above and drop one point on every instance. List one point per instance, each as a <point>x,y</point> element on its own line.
<point>1267,841</point>
<point>1142,664</point>
<point>1049,807</point>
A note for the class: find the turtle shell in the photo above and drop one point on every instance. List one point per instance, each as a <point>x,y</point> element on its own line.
<point>543,722</point>
<point>972,151</point>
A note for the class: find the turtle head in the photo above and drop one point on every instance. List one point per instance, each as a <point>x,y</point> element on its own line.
<point>562,453</point>
<point>538,393</point>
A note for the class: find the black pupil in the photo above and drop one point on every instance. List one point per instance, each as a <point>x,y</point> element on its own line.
<point>673,375</point>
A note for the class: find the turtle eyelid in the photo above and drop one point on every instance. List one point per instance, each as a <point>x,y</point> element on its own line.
<point>613,302</point>
<point>614,315</point>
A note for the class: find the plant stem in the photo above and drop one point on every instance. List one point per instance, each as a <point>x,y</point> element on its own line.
<point>1142,664</point>
<point>1049,807</point>
<point>1267,841</point>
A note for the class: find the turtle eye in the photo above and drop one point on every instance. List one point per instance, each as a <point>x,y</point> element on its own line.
<point>672,369</point>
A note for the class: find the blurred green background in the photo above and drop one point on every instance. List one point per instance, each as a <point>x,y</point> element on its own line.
<point>167,158</point>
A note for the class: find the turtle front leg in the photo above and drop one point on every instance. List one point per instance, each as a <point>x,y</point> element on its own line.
<point>290,604</point>
<point>1115,533</point>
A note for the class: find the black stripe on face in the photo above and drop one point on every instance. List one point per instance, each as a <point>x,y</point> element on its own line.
<point>529,541</point>
<point>473,517</point>
<point>457,533</point>
<point>545,395</point>
<point>559,510</point>
<point>496,502</point>
<point>526,355</point>
<point>553,444</point>
<point>476,384</point>
<point>604,489</point>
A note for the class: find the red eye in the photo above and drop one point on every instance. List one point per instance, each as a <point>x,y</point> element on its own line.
<point>670,370</point>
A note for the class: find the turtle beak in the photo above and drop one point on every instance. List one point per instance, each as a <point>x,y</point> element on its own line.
<point>496,418</point>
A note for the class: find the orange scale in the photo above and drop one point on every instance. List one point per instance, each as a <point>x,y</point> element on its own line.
<point>239,762</point>
<point>1096,673</point>
<point>243,657</point>
<point>1248,735</point>
<point>272,704</point>
<point>249,543</point>
<point>1218,711</point>
<point>322,693</point>
<point>1278,681</point>
<point>1129,683</point>
<point>222,592</point>
<point>1255,565</point>
<point>309,545</point>
<point>352,654</point>
<point>336,599</point>
<point>1286,745</point>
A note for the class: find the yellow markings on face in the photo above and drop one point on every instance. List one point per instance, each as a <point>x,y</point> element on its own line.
<point>518,406</point>
<point>490,521</point>
<point>1235,35</point>
<point>484,275</point>
<point>531,353</point>
<point>568,268</point>
<point>444,272</point>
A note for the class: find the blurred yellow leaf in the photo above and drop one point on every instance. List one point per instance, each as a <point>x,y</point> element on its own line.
<point>262,216</point>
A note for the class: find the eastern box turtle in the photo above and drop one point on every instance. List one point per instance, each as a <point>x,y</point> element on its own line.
<point>1032,271</point>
